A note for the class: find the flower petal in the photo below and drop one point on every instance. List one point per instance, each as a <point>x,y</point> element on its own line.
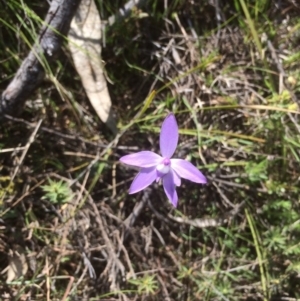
<point>143,179</point>
<point>142,159</point>
<point>168,136</point>
<point>188,171</point>
<point>177,180</point>
<point>169,187</point>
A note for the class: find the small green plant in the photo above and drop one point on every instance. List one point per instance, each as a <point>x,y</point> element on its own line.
<point>275,240</point>
<point>145,285</point>
<point>57,192</point>
<point>257,171</point>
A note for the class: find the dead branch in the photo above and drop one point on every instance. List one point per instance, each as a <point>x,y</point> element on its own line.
<point>31,72</point>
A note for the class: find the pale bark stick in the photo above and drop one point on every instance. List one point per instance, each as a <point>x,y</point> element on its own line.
<point>85,46</point>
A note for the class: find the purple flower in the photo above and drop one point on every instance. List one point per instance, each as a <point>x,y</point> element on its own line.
<point>156,167</point>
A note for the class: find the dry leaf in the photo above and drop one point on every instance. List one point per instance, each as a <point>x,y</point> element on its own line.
<point>17,264</point>
<point>84,42</point>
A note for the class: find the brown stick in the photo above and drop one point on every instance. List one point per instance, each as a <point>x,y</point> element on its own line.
<point>31,72</point>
